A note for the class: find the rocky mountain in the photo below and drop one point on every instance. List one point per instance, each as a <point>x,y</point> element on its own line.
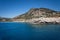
<point>37,13</point>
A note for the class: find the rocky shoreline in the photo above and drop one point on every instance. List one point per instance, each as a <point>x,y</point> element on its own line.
<point>51,20</point>
<point>42,20</point>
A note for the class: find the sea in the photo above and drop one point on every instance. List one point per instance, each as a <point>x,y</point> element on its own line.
<point>27,31</point>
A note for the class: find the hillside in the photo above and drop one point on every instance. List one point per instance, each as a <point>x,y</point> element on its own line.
<point>38,12</point>
<point>36,15</point>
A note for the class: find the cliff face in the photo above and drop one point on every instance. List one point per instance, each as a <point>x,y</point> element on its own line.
<point>37,13</point>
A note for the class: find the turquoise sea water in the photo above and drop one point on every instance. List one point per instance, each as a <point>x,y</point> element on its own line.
<point>25,31</point>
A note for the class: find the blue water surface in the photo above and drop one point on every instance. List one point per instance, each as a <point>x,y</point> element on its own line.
<point>26,31</point>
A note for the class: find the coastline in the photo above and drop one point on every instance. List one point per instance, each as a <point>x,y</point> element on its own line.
<point>42,20</point>
<point>51,20</point>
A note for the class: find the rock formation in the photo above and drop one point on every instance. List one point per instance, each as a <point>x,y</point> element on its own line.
<point>39,15</point>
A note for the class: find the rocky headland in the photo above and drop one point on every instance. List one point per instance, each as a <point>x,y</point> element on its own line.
<point>38,16</point>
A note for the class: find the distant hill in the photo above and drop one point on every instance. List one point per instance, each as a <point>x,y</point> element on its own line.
<point>4,19</point>
<point>37,13</point>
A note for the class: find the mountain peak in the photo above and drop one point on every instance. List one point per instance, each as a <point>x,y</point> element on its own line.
<point>42,9</point>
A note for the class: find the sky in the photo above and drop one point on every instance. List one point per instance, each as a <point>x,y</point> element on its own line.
<point>12,8</point>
